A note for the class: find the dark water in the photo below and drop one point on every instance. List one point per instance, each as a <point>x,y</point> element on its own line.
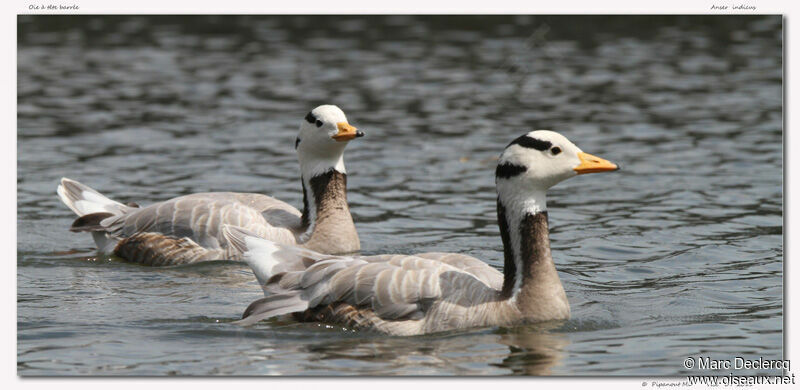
<point>677,255</point>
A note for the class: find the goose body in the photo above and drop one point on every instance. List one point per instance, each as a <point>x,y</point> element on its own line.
<point>188,228</point>
<point>433,292</point>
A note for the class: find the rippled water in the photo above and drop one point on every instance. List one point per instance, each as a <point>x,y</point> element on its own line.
<point>679,254</point>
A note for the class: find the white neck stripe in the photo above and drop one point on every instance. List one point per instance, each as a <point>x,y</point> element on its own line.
<point>517,205</point>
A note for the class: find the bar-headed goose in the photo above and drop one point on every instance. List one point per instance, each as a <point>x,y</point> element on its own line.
<point>432,292</point>
<point>188,229</point>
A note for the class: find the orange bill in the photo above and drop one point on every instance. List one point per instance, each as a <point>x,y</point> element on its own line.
<point>346,132</point>
<point>592,164</point>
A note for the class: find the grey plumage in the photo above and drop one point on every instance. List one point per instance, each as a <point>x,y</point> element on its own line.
<point>272,306</point>
<point>199,217</point>
<point>182,230</point>
<point>395,294</point>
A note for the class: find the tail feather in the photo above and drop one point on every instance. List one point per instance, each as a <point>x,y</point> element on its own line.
<point>89,223</point>
<point>236,236</point>
<point>83,200</point>
<point>257,252</point>
<point>268,258</point>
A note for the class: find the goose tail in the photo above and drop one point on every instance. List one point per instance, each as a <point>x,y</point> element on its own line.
<point>268,258</point>
<point>259,253</point>
<point>84,201</point>
<point>92,209</point>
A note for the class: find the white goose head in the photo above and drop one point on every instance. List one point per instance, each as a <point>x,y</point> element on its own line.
<point>323,136</point>
<point>527,168</point>
<point>538,160</point>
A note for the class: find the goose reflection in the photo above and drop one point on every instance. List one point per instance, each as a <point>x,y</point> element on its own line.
<point>533,349</point>
<point>523,350</point>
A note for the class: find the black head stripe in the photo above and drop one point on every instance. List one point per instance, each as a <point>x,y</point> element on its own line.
<point>296,142</point>
<point>506,170</point>
<point>532,143</point>
<point>310,118</point>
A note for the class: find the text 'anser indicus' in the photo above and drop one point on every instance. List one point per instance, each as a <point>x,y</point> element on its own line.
<point>432,292</point>
<point>188,229</point>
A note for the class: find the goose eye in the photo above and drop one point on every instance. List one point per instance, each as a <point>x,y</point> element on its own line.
<point>319,123</point>
<point>555,150</point>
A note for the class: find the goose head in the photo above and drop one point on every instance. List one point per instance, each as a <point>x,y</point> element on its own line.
<point>538,160</point>
<point>323,135</point>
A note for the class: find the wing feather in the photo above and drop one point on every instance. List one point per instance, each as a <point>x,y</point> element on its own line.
<point>271,306</point>
<point>390,287</point>
<point>199,217</point>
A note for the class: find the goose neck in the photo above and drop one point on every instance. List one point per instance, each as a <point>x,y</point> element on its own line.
<point>529,270</point>
<point>326,221</point>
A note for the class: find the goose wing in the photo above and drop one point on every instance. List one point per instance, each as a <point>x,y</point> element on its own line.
<point>471,265</point>
<point>200,217</point>
<point>390,287</point>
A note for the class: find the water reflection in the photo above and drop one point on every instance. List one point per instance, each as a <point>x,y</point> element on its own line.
<point>533,349</point>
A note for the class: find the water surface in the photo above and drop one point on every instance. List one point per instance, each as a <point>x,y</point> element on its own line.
<point>679,254</point>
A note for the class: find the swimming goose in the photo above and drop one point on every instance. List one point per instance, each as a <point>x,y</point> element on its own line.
<point>188,229</point>
<point>433,292</point>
